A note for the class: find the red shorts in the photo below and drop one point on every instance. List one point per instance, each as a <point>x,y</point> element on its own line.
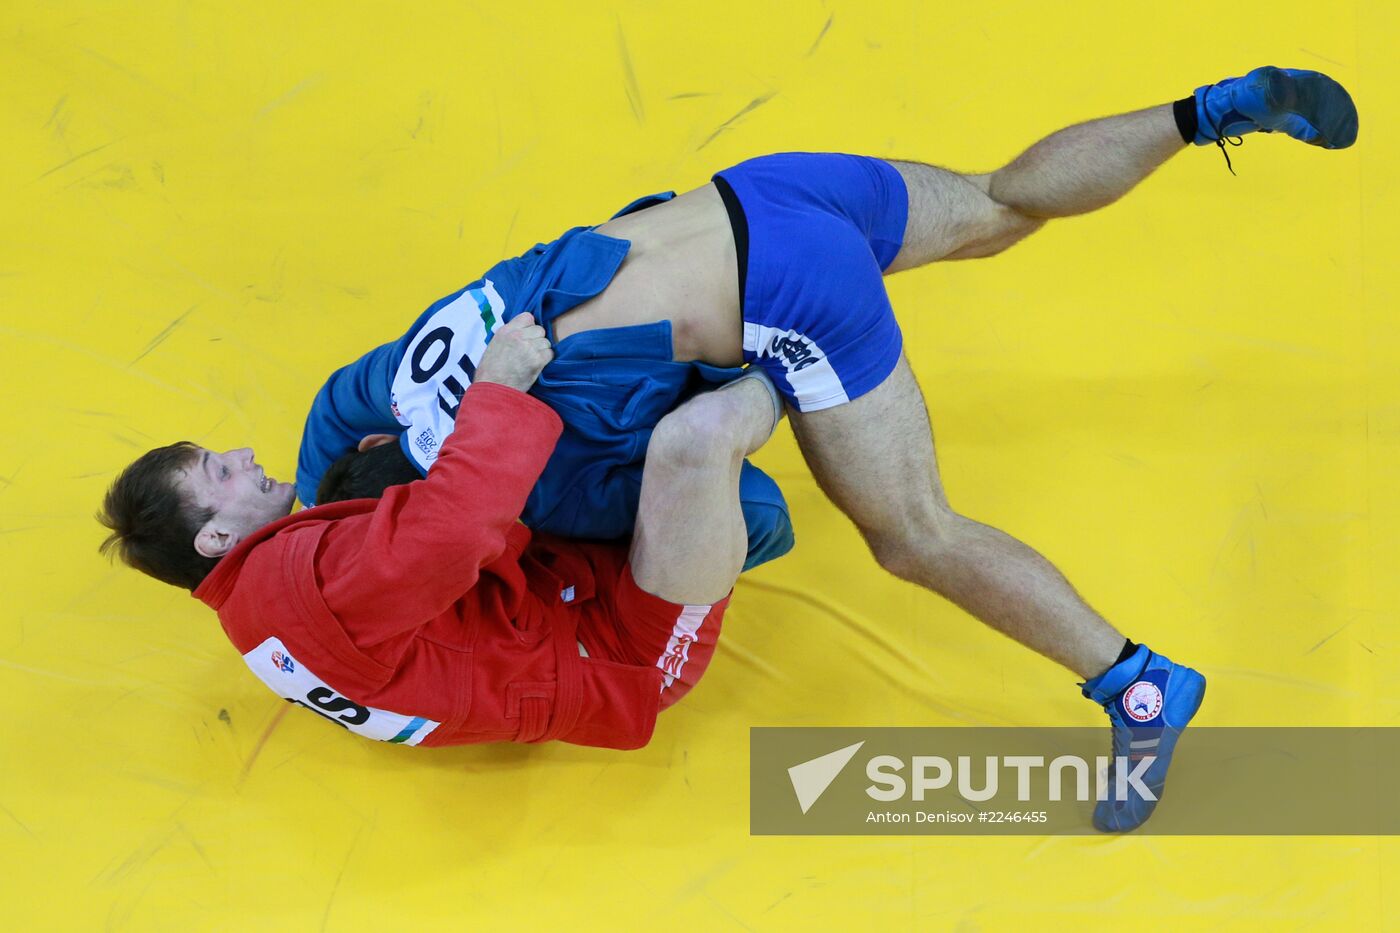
<point>635,627</point>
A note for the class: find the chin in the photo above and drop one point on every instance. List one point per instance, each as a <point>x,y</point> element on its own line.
<point>285,498</point>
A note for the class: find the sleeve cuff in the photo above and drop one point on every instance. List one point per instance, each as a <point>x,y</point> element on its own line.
<point>517,403</point>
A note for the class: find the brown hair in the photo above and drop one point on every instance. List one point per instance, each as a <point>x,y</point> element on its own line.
<point>153,525</point>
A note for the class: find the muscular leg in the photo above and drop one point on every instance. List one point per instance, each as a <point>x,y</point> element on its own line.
<point>690,538</point>
<point>874,458</point>
<point>861,450</point>
<point>1076,170</point>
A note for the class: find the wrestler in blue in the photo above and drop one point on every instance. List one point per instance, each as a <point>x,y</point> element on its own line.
<point>610,387</point>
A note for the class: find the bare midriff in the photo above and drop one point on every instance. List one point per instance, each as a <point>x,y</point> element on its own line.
<point>682,268</point>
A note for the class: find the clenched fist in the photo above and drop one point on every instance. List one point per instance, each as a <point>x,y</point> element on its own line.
<point>516,354</point>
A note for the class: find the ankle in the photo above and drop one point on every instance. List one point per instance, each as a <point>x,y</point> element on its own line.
<point>1187,121</point>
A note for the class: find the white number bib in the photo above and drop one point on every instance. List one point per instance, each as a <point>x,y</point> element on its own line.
<point>439,364</point>
<point>292,680</point>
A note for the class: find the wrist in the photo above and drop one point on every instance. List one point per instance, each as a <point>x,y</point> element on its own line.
<point>503,382</point>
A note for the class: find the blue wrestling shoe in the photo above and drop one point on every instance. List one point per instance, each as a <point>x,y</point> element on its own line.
<point>1149,701</point>
<point>1306,105</point>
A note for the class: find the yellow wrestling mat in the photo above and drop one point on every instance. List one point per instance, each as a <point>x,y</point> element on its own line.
<point>1190,402</point>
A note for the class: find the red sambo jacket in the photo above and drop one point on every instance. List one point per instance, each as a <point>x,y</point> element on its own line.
<point>431,616</point>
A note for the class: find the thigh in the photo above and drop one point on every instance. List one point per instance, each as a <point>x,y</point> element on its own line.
<point>874,457</point>
<point>953,216</point>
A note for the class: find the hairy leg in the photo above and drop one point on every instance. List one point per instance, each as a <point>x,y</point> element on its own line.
<point>1079,169</point>
<point>690,538</point>
<point>874,457</point>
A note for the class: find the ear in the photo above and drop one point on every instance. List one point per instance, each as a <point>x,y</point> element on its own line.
<point>211,541</point>
<point>375,440</point>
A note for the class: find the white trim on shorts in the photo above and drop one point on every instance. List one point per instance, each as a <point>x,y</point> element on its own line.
<point>683,635</point>
<point>813,383</point>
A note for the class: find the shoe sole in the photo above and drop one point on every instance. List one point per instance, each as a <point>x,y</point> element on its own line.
<point>1318,99</point>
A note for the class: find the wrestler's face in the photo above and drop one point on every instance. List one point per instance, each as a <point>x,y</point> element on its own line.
<point>242,496</point>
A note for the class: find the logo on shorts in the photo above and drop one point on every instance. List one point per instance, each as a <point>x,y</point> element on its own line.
<point>427,443</point>
<point>1142,701</point>
<point>283,662</point>
<point>675,658</point>
<point>796,352</point>
<point>394,407</point>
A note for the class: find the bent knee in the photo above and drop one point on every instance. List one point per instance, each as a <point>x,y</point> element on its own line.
<point>699,434</point>
<point>1003,228</point>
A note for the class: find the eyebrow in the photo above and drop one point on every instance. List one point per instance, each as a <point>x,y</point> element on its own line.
<point>204,463</point>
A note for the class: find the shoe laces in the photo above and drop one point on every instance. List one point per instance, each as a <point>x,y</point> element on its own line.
<point>1122,751</point>
<point>1234,141</point>
<point>1121,746</point>
<point>1221,139</point>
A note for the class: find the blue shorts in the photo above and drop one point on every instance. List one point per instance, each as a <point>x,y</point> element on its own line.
<point>821,230</point>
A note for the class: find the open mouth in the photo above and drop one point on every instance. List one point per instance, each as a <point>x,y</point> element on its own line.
<point>266,483</point>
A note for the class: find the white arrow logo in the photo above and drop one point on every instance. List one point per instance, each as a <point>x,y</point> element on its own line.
<point>811,778</point>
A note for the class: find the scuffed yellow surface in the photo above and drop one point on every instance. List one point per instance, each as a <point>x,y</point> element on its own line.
<point>1190,402</point>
